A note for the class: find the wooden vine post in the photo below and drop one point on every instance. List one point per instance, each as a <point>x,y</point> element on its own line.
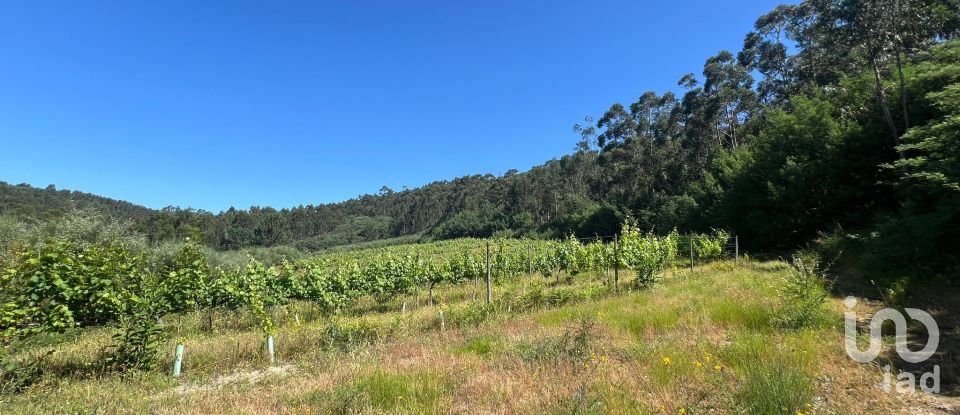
<point>616,262</point>
<point>489,286</point>
<point>690,238</point>
<point>736,248</point>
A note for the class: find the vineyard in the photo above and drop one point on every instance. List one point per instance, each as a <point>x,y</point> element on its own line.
<point>57,286</point>
<point>633,323</point>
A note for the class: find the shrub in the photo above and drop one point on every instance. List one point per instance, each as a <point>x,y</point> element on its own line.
<point>710,246</point>
<point>38,291</point>
<point>346,335</point>
<point>803,294</point>
<point>574,346</point>
<point>646,254</point>
<point>135,346</point>
<point>185,281</point>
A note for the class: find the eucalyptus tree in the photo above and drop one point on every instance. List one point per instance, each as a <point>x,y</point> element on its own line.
<point>731,99</point>
<point>833,39</point>
<point>765,50</point>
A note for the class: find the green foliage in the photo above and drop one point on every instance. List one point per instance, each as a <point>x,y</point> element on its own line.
<point>568,254</point>
<point>481,345</point>
<point>185,281</point>
<point>17,374</point>
<point>646,254</point>
<point>39,289</point>
<point>59,284</point>
<point>803,294</point>
<point>815,147</point>
<point>354,230</point>
<point>472,315</point>
<point>345,336</point>
<point>538,296</point>
<point>573,346</point>
<point>102,279</point>
<point>12,232</point>
<point>248,287</point>
<point>788,187</point>
<point>87,228</point>
<point>929,174</point>
<point>136,344</point>
<point>80,228</point>
<point>710,246</point>
<point>268,256</point>
<point>470,224</point>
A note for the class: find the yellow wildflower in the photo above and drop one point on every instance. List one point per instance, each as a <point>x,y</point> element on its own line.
<point>666,360</point>
<point>717,368</point>
<point>698,364</point>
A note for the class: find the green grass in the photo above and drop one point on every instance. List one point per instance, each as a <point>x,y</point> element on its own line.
<point>540,348</point>
<point>481,345</point>
<point>733,313</point>
<point>650,322</point>
<point>408,393</point>
<point>775,380</point>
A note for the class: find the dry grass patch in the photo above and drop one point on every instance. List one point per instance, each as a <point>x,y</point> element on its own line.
<point>701,343</point>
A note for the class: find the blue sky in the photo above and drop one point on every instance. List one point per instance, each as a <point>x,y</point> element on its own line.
<point>281,103</point>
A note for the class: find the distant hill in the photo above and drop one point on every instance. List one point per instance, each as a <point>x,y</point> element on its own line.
<point>476,205</point>
<point>23,200</point>
<point>550,199</point>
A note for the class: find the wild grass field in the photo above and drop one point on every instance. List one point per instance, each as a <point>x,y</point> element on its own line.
<point>711,341</point>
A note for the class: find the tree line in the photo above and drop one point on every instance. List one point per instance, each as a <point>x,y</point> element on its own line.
<point>835,116</point>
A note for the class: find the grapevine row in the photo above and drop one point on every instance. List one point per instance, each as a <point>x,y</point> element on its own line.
<point>55,286</point>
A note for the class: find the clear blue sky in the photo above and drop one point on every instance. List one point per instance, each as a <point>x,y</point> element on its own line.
<point>281,103</point>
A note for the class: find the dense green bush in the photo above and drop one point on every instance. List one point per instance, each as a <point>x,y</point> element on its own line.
<point>136,344</point>
<point>185,280</point>
<point>646,254</point>
<point>710,246</point>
